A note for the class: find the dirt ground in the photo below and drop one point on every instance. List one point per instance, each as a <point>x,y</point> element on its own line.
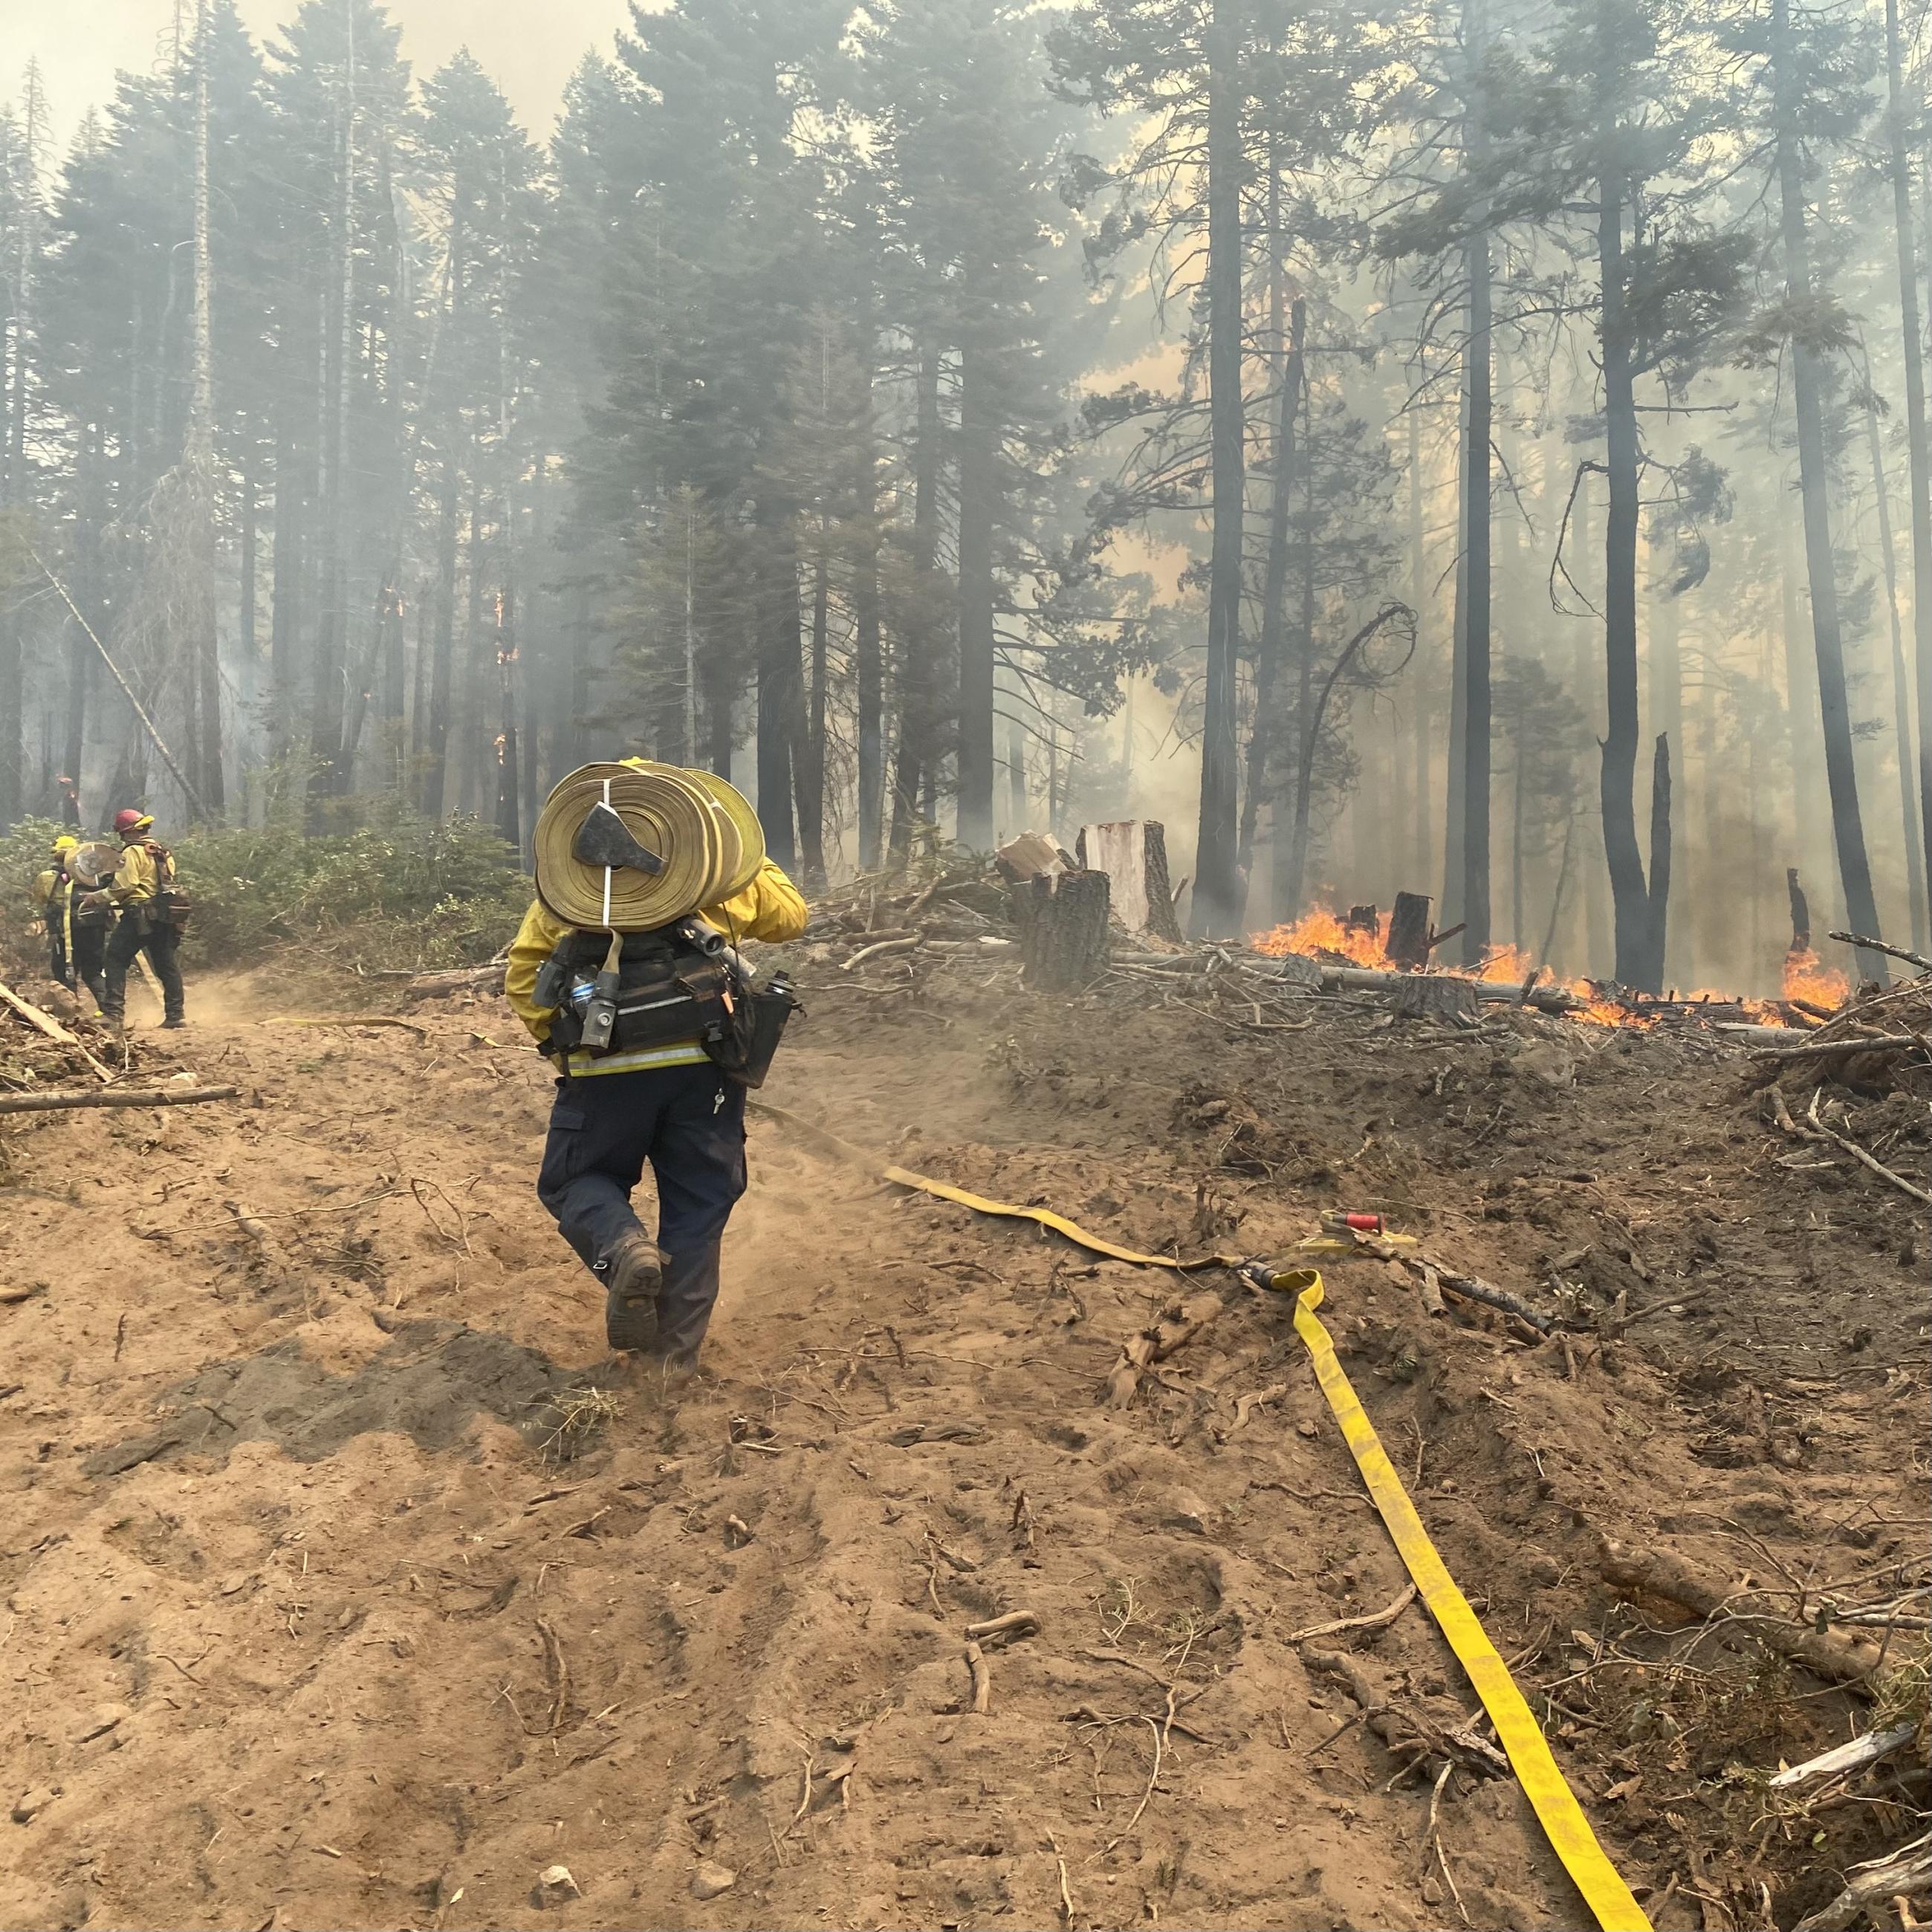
<point>334,1594</point>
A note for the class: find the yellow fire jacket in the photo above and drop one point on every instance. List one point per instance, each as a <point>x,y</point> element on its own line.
<point>770,908</point>
<point>138,877</point>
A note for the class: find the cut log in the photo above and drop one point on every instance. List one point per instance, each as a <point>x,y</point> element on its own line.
<point>1436,996</point>
<point>1657,1573</point>
<point>1031,855</point>
<point>1133,852</point>
<point>114,1097</point>
<point>1408,931</point>
<point>1062,929</point>
<point>1298,970</point>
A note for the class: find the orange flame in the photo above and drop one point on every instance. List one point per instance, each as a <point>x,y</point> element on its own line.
<point>1805,979</point>
<point>1323,932</point>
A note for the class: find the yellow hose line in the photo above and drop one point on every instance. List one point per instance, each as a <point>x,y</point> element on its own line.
<point>1556,1805</point>
<point>904,1177</point>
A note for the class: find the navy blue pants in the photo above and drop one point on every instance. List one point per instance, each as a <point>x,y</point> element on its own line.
<point>689,1123</point>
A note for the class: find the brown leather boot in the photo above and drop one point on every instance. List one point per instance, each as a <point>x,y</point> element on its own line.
<point>633,1273</point>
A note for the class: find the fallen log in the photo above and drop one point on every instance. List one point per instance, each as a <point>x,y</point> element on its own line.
<point>114,1097</point>
<point>466,979</point>
<point>1658,1572</point>
<point>1366,980</point>
<point>1843,1045</point>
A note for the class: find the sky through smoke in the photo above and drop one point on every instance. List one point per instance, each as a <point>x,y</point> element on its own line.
<point>529,47</point>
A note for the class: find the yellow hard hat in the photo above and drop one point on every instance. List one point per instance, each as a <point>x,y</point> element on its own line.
<point>67,842</point>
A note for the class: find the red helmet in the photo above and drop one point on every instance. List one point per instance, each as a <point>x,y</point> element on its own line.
<point>128,820</point>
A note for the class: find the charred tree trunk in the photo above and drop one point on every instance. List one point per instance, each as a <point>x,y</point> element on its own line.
<point>332,629</point>
<point>811,752</point>
<point>778,675</point>
<point>979,458</point>
<point>869,655</point>
<point>1408,933</point>
<point>1657,936</point>
<point>1919,450</point>
<point>199,462</point>
<point>1901,683</point>
<point>1630,894</point>
<point>1474,908</point>
<point>1217,894</point>
<point>1807,383</point>
<point>509,803</point>
<point>433,731</point>
<point>919,647</point>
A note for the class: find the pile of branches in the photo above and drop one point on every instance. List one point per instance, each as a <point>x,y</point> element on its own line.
<point>954,902</point>
<point>1879,1042</point>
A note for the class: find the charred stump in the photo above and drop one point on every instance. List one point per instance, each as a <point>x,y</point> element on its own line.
<point>1062,922</point>
<point>1409,937</point>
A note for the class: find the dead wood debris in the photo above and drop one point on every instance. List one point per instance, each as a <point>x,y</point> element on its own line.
<point>1658,1572</point>
<point>1173,1328</point>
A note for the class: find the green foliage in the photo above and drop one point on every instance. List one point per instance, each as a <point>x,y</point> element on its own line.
<point>396,891</point>
<point>400,890</point>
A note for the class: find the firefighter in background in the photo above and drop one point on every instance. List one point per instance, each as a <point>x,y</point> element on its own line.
<point>77,937</point>
<point>152,913</point>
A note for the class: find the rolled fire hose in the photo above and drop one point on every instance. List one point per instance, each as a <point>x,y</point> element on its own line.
<point>673,814</point>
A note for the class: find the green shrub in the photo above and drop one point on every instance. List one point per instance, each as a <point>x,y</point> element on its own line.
<point>395,890</point>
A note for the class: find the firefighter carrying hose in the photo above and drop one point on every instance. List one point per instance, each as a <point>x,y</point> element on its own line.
<point>626,973</point>
<point>153,911</point>
<point>76,934</point>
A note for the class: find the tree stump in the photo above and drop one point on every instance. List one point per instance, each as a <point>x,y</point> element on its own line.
<point>1062,929</point>
<point>1437,996</point>
<point>1133,852</point>
<point>1408,932</point>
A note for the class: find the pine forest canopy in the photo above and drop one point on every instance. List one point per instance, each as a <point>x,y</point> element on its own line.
<point>1469,446</point>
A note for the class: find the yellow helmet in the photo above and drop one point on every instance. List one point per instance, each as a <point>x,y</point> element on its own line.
<point>66,843</point>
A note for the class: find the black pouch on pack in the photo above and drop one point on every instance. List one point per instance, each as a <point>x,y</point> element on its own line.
<point>745,1050</point>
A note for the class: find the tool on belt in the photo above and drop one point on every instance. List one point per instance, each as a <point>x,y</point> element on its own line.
<point>623,992</point>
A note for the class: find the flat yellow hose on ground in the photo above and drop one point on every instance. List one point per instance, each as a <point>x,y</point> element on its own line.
<point>1562,1819</point>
